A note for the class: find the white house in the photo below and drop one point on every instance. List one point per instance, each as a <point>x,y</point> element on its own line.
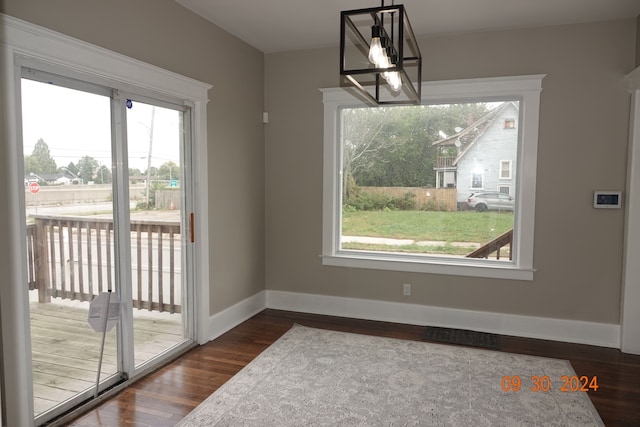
<point>482,156</point>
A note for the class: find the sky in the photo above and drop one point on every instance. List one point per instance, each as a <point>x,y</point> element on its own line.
<point>75,124</point>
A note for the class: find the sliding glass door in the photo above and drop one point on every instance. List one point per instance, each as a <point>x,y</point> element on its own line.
<point>155,135</point>
<point>70,251</point>
<point>107,211</point>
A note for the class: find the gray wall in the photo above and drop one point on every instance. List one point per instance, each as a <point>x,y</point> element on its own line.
<point>582,147</point>
<point>165,34</point>
<point>583,141</point>
<point>638,42</point>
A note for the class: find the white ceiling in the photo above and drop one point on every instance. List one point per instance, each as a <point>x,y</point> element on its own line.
<point>283,25</point>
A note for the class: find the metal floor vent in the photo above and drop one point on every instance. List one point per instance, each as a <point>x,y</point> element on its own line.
<point>462,337</point>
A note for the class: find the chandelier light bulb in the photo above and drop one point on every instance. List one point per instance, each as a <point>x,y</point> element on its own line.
<point>394,80</point>
<point>376,51</point>
<point>391,60</point>
<point>384,61</point>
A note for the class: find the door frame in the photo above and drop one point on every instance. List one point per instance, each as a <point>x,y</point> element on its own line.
<point>22,42</point>
<point>630,300</point>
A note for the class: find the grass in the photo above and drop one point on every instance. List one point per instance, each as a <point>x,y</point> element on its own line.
<point>462,226</point>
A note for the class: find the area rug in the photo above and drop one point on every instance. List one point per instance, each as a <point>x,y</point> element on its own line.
<point>312,377</point>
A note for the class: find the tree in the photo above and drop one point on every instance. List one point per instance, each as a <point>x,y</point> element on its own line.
<point>103,175</point>
<point>387,146</point>
<point>393,146</point>
<point>168,170</point>
<point>87,167</point>
<point>71,167</point>
<point>40,160</point>
<point>134,175</point>
<point>361,138</point>
<point>151,172</point>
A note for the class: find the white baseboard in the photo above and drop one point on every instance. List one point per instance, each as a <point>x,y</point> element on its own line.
<point>599,334</point>
<point>573,331</point>
<point>231,317</point>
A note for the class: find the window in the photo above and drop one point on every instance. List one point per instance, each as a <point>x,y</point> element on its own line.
<point>510,123</point>
<point>476,180</point>
<point>387,204</point>
<point>505,169</point>
<point>504,189</point>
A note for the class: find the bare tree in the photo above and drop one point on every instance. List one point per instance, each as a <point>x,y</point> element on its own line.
<point>364,133</point>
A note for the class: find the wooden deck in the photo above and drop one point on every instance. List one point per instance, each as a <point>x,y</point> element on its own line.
<point>66,350</point>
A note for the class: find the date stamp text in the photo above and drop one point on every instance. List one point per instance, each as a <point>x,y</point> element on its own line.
<point>543,384</point>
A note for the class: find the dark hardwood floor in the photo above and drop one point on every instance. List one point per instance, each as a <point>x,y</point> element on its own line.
<point>167,395</point>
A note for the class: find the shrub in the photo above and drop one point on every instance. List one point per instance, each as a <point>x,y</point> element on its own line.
<point>371,201</point>
<point>407,202</point>
<point>433,206</point>
<point>375,201</point>
<point>429,205</point>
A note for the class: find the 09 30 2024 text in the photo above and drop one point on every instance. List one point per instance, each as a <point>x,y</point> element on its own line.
<point>542,383</point>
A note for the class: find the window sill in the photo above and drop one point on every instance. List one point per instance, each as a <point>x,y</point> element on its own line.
<point>433,265</point>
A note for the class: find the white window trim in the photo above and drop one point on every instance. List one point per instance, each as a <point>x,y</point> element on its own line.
<point>510,169</point>
<point>525,88</point>
<point>21,43</point>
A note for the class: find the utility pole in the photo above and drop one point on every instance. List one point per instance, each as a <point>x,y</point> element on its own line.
<point>153,116</point>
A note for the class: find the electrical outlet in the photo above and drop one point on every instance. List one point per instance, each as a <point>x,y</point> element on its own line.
<point>406,290</point>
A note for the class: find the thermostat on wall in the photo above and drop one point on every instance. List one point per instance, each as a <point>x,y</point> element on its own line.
<point>607,199</point>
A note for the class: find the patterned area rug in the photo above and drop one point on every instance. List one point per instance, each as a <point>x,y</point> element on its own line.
<point>312,377</point>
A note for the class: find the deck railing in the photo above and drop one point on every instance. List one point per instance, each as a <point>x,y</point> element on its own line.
<point>74,258</point>
<point>496,245</point>
<point>445,162</point>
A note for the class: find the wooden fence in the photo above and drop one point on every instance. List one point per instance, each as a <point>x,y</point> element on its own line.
<point>74,258</point>
<point>435,199</point>
<point>168,199</point>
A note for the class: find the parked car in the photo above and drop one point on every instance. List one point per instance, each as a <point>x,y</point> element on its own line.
<point>492,201</point>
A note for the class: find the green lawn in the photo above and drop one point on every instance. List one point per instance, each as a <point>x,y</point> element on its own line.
<point>463,226</point>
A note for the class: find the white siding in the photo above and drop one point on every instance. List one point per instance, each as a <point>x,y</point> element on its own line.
<point>494,145</point>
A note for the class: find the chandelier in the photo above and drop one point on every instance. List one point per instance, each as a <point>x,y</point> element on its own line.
<point>385,67</point>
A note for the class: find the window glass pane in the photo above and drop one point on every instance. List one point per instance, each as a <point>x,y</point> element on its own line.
<point>505,169</point>
<point>70,258</point>
<point>432,180</point>
<point>154,147</point>
<point>476,180</point>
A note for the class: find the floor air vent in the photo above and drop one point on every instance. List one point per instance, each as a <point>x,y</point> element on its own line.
<point>462,337</point>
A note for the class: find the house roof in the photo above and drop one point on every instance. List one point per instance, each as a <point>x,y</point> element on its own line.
<point>467,137</point>
<point>49,176</point>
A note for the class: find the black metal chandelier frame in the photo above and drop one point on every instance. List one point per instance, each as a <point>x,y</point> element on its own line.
<point>401,44</point>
